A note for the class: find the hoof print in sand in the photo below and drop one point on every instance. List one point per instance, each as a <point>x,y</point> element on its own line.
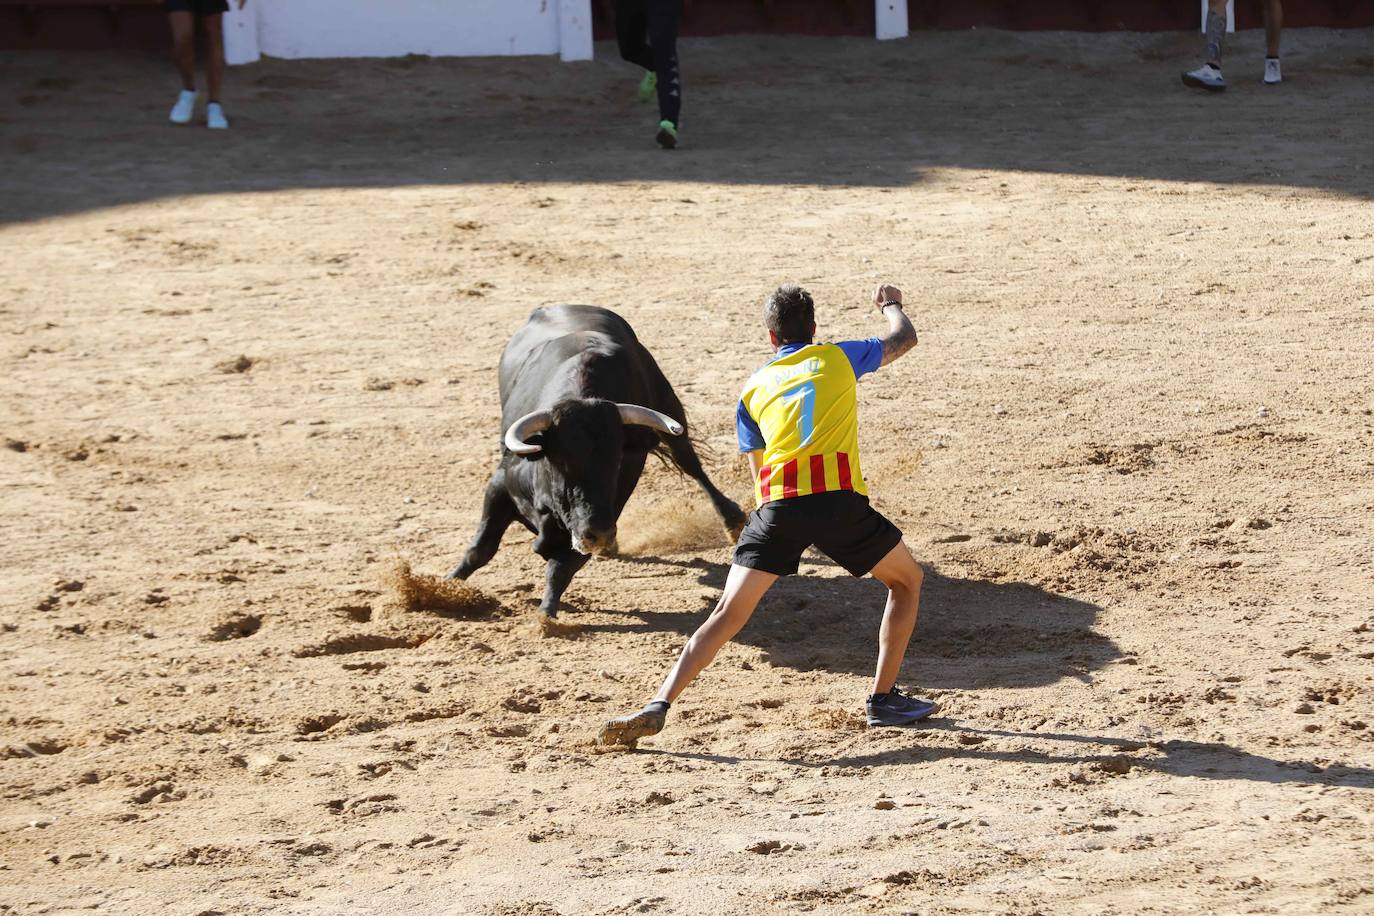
<point>236,626</point>
<point>363,642</point>
<point>552,627</point>
<point>314,725</point>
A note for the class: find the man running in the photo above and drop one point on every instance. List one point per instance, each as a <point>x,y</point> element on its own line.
<point>798,424</point>
<point>1208,76</point>
<point>184,16</point>
<point>656,19</point>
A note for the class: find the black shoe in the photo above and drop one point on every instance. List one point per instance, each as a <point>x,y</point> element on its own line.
<point>667,135</point>
<point>896,708</point>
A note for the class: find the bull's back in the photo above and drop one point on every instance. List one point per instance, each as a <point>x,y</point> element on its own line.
<point>541,362</point>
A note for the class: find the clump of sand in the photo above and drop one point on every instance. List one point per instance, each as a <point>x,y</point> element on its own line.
<point>671,523</point>
<point>419,592</point>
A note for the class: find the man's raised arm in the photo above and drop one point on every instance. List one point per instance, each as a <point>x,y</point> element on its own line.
<point>901,335</point>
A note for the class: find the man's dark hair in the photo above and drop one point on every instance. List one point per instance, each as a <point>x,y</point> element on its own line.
<point>790,314</point>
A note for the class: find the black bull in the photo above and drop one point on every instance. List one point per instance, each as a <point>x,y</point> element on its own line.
<point>582,406</point>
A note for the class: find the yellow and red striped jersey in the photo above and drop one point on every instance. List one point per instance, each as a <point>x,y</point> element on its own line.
<point>801,410</point>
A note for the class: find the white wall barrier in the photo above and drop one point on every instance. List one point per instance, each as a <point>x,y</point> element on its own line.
<point>439,28</point>
<point>890,19</point>
<point>241,33</point>
<point>393,28</point>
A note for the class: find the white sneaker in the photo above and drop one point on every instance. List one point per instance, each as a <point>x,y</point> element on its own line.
<point>1272,74</point>
<point>1208,77</point>
<point>214,117</point>
<point>184,108</point>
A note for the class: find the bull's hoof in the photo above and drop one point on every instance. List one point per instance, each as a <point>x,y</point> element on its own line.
<point>552,627</point>
<point>735,520</point>
<point>456,574</point>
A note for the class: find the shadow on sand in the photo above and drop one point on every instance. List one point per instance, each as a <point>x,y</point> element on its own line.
<point>971,634</point>
<point>834,112</point>
<point>1109,755</point>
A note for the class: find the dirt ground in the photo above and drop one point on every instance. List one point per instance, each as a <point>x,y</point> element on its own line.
<point>244,374</point>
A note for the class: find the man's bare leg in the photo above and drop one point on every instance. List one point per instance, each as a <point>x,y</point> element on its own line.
<point>887,705</point>
<point>744,588</point>
<point>1273,26</point>
<point>184,47</point>
<point>213,27</point>
<point>903,577</point>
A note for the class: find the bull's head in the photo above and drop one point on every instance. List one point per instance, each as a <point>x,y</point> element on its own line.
<point>579,445</point>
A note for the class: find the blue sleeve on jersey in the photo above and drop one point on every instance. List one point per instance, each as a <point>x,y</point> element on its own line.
<point>864,355</point>
<point>750,436</point>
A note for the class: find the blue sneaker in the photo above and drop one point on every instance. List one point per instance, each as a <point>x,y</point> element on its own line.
<point>896,708</point>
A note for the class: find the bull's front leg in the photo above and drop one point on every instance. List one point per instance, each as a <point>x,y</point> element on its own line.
<point>562,566</point>
<point>498,512</point>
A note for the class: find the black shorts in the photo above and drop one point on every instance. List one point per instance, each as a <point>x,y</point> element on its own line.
<point>199,7</point>
<point>842,525</point>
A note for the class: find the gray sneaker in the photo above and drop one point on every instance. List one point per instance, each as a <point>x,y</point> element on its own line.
<point>1208,77</point>
<point>627,730</point>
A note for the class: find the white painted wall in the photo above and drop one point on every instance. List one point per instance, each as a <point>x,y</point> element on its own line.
<point>890,19</point>
<point>241,33</point>
<point>391,28</point>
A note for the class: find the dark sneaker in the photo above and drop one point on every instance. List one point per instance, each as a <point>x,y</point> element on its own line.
<point>667,135</point>
<point>896,708</point>
<point>627,730</point>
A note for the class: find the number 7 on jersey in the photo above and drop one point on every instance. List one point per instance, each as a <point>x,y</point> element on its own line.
<point>806,393</point>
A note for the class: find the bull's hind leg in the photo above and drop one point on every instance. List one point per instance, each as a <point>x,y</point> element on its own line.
<point>498,511</point>
<point>727,508</point>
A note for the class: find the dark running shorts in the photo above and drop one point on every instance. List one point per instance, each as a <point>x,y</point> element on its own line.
<point>199,7</point>
<point>842,525</point>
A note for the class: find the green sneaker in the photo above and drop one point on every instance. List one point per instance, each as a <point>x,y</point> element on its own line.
<point>667,134</point>
<point>648,86</point>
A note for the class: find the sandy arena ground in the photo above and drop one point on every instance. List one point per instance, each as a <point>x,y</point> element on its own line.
<point>243,374</point>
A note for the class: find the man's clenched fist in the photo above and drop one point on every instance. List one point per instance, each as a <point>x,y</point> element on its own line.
<point>885,295</point>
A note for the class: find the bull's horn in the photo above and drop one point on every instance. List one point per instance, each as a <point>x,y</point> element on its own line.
<point>517,437</point>
<point>634,415</point>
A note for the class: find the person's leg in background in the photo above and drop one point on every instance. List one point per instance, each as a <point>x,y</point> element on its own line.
<point>663,18</point>
<point>183,24</point>
<point>1208,76</point>
<point>212,27</point>
<point>1273,34</point>
<point>631,35</point>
